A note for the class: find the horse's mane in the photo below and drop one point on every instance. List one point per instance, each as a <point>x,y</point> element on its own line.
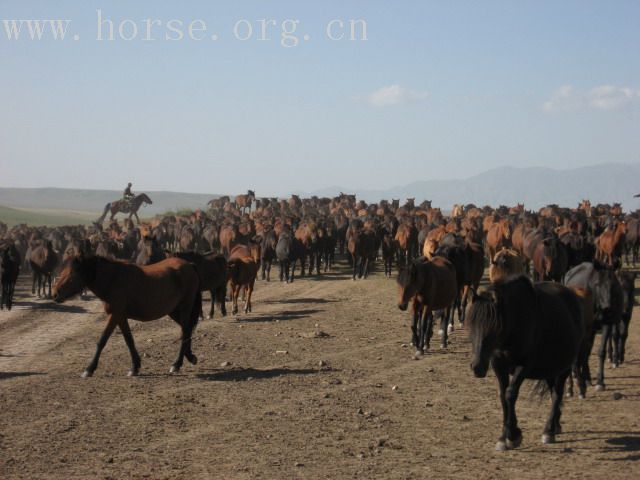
<point>483,313</point>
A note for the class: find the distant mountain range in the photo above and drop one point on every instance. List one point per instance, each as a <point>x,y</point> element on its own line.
<point>535,187</point>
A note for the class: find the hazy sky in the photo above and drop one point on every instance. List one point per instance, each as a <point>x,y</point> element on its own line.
<point>442,89</point>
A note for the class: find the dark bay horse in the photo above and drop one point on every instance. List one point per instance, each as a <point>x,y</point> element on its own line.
<point>430,285</point>
<point>43,260</point>
<point>361,244</point>
<point>242,270</point>
<point>212,272</point>
<point>129,291</point>
<point>621,331</point>
<point>529,332</point>
<point>11,261</point>
<point>269,241</point>
<point>122,206</point>
<point>600,283</point>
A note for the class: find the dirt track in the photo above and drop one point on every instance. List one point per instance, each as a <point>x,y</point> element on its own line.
<point>282,415</point>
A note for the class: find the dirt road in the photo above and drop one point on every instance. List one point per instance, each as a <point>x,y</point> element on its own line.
<point>318,382</point>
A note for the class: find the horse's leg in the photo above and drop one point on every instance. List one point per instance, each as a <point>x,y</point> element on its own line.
<point>185,337</point>
<point>552,428</point>
<point>444,324</point>
<point>212,292</point>
<point>128,338</point>
<point>235,293</point>
<point>108,330</point>
<point>624,333</point>
<point>355,266</point>
<point>572,374</point>
<point>602,353</point>
<point>614,340</point>
<point>427,327</point>
<point>502,374</point>
<point>247,308</point>
<point>415,324</point>
<point>137,218</point>
<point>465,300</point>
<point>222,298</point>
<point>514,434</point>
<point>33,284</point>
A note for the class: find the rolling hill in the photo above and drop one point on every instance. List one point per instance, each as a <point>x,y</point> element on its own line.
<point>535,187</point>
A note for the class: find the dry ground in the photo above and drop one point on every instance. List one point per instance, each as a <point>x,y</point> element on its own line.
<point>269,414</point>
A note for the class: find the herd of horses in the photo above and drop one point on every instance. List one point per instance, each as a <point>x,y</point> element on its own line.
<point>555,275</point>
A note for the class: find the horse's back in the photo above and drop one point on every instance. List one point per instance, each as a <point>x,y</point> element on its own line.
<point>443,284</point>
<point>560,328</point>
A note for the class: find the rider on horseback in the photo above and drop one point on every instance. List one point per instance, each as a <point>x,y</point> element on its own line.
<point>128,195</point>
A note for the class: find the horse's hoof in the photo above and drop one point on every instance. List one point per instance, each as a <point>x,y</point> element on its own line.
<point>209,317</point>
<point>418,353</point>
<point>514,443</point>
<point>132,373</point>
<point>174,369</point>
<point>501,446</point>
<point>600,387</point>
<point>443,346</point>
<point>87,374</point>
<point>193,360</point>
<point>450,328</point>
<point>568,394</point>
<point>441,332</point>
<point>615,365</point>
<point>581,396</point>
<point>558,430</point>
<point>548,438</point>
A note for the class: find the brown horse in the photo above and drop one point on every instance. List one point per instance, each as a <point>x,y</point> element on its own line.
<point>146,293</point>
<point>43,260</point>
<point>245,201</point>
<point>505,264</point>
<point>122,206</point>
<point>431,285</point>
<point>609,244</point>
<point>242,272</point>
<point>498,236</point>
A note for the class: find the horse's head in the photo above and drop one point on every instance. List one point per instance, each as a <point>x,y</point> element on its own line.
<point>409,281</point>
<point>606,290</point>
<point>73,278</point>
<point>484,328</point>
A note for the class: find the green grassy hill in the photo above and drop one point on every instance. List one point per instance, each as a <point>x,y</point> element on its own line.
<point>48,217</point>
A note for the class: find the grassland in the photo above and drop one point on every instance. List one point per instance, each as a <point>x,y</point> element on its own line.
<point>44,216</point>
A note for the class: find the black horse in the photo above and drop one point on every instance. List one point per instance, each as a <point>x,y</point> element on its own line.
<point>288,251</point>
<point>620,332</point>
<point>268,253</point>
<point>10,269</point>
<point>602,285</point>
<point>529,332</point>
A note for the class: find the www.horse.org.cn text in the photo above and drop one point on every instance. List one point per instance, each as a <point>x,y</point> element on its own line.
<point>286,33</point>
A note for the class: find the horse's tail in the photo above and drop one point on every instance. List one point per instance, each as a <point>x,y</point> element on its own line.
<point>107,207</point>
<point>540,390</point>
